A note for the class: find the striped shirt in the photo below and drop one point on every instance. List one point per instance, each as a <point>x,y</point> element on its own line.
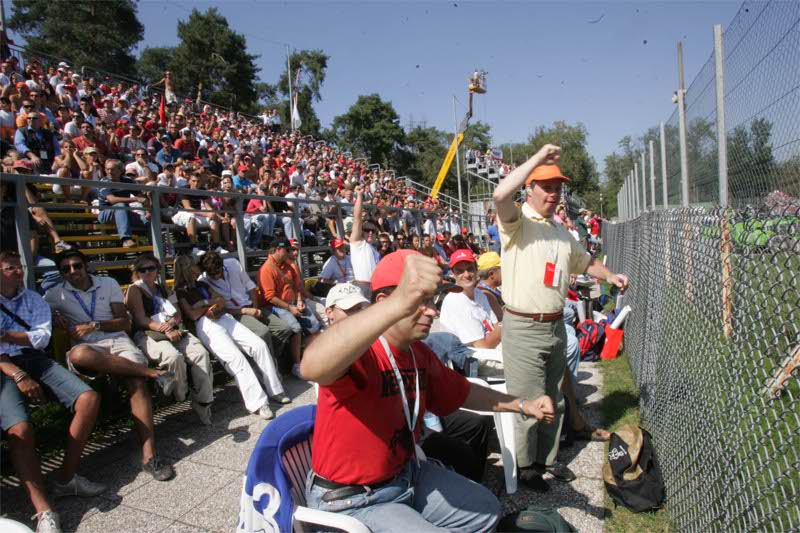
<point>29,307</point>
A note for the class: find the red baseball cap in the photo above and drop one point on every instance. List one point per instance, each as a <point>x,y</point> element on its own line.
<point>390,270</point>
<point>338,242</point>
<point>293,243</point>
<point>461,255</point>
<point>439,237</point>
<point>243,167</point>
<point>464,231</point>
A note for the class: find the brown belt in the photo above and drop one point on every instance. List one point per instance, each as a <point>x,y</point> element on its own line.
<point>539,317</point>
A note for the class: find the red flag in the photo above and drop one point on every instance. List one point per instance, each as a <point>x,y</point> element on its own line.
<point>162,112</point>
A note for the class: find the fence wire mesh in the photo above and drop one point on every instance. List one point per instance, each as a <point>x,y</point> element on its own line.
<point>714,345</point>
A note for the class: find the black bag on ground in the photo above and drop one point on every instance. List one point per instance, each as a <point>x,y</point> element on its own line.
<point>535,518</point>
<point>631,474</point>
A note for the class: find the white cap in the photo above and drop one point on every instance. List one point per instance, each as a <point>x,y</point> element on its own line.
<point>345,296</point>
<point>63,64</point>
<point>227,173</point>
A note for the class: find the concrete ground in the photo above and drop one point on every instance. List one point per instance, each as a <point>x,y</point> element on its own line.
<point>210,463</point>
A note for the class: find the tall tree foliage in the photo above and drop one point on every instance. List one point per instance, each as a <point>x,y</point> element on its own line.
<point>313,66</point>
<point>87,33</point>
<point>370,128</point>
<point>153,62</point>
<point>213,59</point>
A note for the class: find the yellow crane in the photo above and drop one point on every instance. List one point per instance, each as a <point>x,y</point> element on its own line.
<point>477,84</point>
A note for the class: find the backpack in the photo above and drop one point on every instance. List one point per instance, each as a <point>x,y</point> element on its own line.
<point>535,518</point>
<point>591,336</point>
<point>631,474</point>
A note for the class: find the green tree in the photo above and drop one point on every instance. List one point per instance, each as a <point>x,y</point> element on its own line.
<point>576,163</point>
<point>212,60</point>
<point>85,32</point>
<point>153,62</point>
<point>370,128</point>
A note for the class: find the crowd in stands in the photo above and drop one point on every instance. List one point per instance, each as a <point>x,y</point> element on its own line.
<point>358,331</point>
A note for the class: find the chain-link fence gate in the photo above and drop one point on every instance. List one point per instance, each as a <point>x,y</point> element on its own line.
<point>714,338</point>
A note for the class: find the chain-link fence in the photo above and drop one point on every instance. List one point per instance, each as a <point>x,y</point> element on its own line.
<point>714,338</point>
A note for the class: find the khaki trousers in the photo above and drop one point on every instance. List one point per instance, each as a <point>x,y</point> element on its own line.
<point>534,356</point>
<point>175,357</point>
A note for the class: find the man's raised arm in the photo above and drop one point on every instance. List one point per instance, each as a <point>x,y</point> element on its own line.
<point>355,232</point>
<point>504,193</point>
<point>331,354</point>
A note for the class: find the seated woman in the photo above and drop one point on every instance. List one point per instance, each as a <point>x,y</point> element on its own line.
<point>228,339</point>
<point>164,340</point>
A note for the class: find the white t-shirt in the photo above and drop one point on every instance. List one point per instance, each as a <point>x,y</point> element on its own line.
<point>469,320</point>
<point>140,171</point>
<point>67,299</point>
<point>364,259</point>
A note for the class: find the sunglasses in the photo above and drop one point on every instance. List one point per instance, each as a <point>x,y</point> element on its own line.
<point>28,106</point>
<point>12,268</point>
<point>144,270</point>
<point>66,269</point>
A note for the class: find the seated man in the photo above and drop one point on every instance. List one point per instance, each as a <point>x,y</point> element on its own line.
<point>462,440</point>
<point>278,283</point>
<point>377,380</point>
<point>92,310</point>
<point>114,194</point>
<point>468,313</point>
<point>338,268</point>
<point>491,281</point>
<point>242,300</point>
<point>26,372</point>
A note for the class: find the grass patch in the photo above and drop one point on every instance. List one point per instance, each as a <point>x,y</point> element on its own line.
<point>620,407</point>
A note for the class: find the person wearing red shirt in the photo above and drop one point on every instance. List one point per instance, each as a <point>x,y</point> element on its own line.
<point>377,380</point>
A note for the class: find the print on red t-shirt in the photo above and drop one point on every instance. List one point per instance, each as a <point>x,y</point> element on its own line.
<point>361,435</point>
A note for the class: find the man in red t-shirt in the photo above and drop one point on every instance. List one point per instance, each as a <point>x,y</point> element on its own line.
<point>364,458</point>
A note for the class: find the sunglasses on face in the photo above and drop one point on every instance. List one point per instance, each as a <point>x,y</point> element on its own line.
<point>144,270</point>
<point>27,106</point>
<point>66,269</point>
<point>12,268</point>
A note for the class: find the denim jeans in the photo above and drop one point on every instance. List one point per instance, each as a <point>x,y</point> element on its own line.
<point>124,220</point>
<point>427,497</point>
<point>306,322</point>
<point>258,226</point>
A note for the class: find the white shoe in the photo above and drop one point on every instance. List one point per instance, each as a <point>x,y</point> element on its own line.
<point>265,412</point>
<point>197,252</point>
<point>281,398</point>
<point>78,486</point>
<point>220,250</point>
<point>48,522</point>
<point>203,412</point>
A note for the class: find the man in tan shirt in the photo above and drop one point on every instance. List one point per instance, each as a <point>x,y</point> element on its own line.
<point>538,258</point>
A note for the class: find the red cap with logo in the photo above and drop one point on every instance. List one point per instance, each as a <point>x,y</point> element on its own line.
<point>461,255</point>
<point>338,242</point>
<point>293,243</point>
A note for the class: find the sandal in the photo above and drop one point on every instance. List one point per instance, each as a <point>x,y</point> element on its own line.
<point>591,433</point>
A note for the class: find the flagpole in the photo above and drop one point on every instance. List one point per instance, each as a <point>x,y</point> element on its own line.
<point>289,80</point>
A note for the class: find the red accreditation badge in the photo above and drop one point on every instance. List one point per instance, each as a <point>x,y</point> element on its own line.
<point>552,275</point>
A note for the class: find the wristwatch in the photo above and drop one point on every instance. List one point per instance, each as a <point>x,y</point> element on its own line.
<point>95,325</point>
<point>521,411</point>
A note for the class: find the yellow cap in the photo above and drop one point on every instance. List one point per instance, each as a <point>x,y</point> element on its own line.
<point>488,260</point>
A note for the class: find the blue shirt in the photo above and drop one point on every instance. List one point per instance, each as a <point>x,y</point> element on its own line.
<point>163,157</point>
<point>240,182</point>
<point>30,308</point>
<point>493,234</point>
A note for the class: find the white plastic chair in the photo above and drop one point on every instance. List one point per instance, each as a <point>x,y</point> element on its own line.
<point>10,526</point>
<point>297,461</point>
<point>504,426</point>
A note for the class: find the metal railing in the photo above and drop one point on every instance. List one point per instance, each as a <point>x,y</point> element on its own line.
<point>159,232</point>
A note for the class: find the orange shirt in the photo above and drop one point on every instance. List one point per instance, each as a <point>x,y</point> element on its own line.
<point>277,281</point>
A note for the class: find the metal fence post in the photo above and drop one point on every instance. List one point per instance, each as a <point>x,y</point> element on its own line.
<point>664,167</point>
<point>722,140</point>
<point>155,231</point>
<point>636,188</point>
<point>652,177</point>
<point>644,183</point>
<point>339,222</point>
<point>241,247</point>
<point>682,132</point>
<point>24,233</point>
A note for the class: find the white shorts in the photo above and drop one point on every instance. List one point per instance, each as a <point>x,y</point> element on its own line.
<point>182,218</point>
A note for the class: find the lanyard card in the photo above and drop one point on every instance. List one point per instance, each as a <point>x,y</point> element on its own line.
<point>552,275</point>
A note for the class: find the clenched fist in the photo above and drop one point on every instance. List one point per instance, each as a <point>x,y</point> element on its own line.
<point>549,154</point>
<point>421,277</point>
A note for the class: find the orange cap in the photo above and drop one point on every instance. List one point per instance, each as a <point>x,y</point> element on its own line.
<point>544,173</point>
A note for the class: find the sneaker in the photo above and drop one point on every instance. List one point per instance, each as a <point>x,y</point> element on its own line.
<point>197,252</point>
<point>265,412</point>
<point>203,412</point>
<point>48,522</point>
<point>296,372</point>
<point>533,480</point>
<point>62,246</point>
<point>166,380</point>
<point>220,250</point>
<point>157,469</point>
<point>128,243</point>
<point>78,486</point>
<point>280,398</point>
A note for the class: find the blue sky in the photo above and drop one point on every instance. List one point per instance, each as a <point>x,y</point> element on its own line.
<point>546,61</point>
